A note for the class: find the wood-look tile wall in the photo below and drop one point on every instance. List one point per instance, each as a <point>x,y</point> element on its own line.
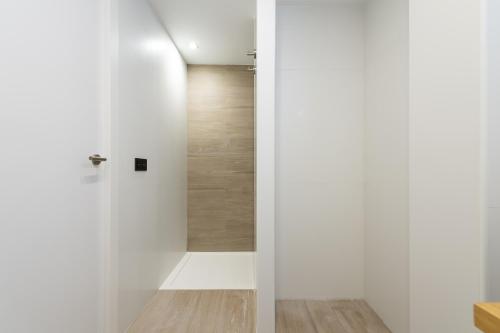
<point>220,158</point>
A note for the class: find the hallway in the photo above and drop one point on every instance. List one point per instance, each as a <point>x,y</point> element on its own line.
<point>253,166</point>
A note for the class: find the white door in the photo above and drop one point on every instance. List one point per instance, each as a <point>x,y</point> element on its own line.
<point>52,103</point>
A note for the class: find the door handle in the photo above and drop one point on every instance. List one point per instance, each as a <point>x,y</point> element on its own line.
<point>252,53</point>
<point>97,159</point>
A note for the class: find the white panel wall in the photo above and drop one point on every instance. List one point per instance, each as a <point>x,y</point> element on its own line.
<point>386,162</point>
<point>445,164</point>
<point>152,124</point>
<point>493,230</point>
<point>265,165</point>
<point>320,100</point>
<point>51,111</point>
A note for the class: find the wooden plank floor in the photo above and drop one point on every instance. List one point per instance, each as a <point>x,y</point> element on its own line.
<point>198,311</point>
<point>327,316</point>
<point>228,311</point>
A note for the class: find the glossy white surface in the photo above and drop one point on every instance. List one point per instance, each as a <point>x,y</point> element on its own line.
<point>445,164</point>
<point>52,106</point>
<point>320,101</point>
<point>152,209</point>
<point>222,29</point>
<point>213,270</point>
<point>265,165</point>
<point>386,162</point>
<point>493,184</point>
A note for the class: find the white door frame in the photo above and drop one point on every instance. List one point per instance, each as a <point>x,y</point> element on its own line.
<point>265,169</point>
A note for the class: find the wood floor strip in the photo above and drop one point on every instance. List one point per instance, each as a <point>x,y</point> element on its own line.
<point>208,309</point>
<point>324,318</point>
<point>149,320</point>
<point>179,313</point>
<point>372,320</point>
<point>198,311</point>
<point>238,312</point>
<point>293,317</point>
<point>233,311</point>
<point>344,316</point>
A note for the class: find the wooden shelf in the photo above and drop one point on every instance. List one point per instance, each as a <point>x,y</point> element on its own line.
<point>487,317</point>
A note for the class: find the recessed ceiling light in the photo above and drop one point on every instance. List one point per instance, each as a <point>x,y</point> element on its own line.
<point>193,46</point>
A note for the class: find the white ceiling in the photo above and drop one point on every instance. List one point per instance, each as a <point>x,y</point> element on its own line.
<point>222,29</point>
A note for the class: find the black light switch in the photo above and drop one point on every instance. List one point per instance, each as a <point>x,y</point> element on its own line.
<point>141,164</point>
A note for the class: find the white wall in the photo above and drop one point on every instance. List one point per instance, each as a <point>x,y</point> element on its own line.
<point>386,162</point>
<point>445,164</point>
<point>152,124</point>
<point>319,172</point>
<point>493,230</point>
<point>265,165</point>
<point>52,107</point>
